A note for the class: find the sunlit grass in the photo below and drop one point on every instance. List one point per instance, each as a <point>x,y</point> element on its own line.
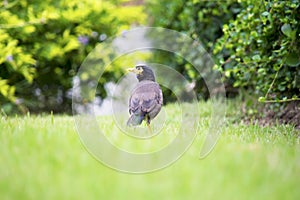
<point>42,158</point>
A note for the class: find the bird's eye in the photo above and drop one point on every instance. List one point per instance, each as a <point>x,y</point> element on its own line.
<point>139,69</point>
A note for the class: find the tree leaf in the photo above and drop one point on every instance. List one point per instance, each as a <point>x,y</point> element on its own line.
<point>261,99</point>
<point>293,59</point>
<point>287,30</point>
<point>256,57</point>
<point>266,13</point>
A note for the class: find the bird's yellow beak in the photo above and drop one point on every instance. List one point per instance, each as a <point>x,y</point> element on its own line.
<point>131,70</point>
<point>134,70</point>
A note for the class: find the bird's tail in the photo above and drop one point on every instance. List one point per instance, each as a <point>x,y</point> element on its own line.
<point>135,119</point>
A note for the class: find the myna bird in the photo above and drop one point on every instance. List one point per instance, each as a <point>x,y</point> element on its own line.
<point>146,98</point>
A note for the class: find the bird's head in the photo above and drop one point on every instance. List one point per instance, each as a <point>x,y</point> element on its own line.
<point>143,72</point>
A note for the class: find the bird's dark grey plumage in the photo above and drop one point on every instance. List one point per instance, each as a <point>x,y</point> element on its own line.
<point>146,98</point>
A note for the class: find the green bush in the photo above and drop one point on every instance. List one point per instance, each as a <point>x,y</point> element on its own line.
<point>260,49</point>
<point>202,21</point>
<point>42,44</point>
<point>255,44</point>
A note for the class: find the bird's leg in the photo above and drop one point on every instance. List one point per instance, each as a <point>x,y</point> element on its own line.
<point>148,124</point>
<point>149,127</point>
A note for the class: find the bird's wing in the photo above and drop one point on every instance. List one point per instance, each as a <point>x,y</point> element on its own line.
<point>146,98</point>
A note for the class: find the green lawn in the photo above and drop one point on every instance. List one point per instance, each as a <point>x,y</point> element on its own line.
<point>42,158</point>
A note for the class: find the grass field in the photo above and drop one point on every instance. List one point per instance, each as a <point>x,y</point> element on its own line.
<point>42,158</point>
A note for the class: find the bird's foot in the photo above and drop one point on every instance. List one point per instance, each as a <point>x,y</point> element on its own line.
<point>149,127</point>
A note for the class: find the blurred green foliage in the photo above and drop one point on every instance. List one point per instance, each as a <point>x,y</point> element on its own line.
<point>42,44</point>
<point>260,49</point>
<point>255,44</point>
<point>201,20</point>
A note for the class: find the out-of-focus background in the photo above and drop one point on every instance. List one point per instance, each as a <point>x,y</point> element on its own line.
<point>255,46</point>
<point>43,43</point>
